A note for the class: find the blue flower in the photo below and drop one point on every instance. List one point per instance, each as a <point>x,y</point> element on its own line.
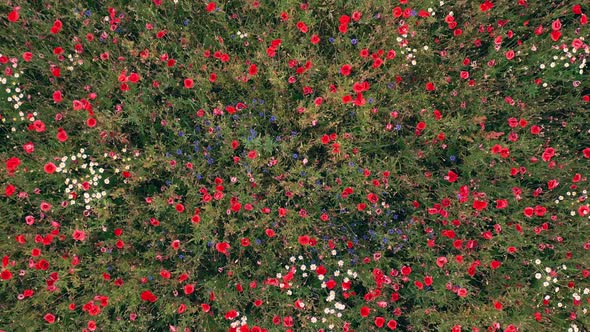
<point>452,158</point>
<point>295,155</point>
<point>181,133</point>
<point>87,13</point>
<point>354,41</point>
<point>331,40</point>
<point>186,22</point>
<point>273,118</point>
<point>398,127</point>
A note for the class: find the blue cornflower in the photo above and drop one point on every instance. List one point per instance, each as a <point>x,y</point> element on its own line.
<point>354,41</point>
<point>398,127</point>
<point>331,40</point>
<point>181,133</point>
<point>452,158</point>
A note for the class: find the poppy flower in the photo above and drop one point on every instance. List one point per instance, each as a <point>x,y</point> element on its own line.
<point>49,168</point>
<point>379,321</point>
<point>188,83</point>
<point>148,296</point>
<point>62,136</point>
<point>365,311</point>
<point>13,15</point>
<point>462,292</point>
<point>222,247</point>
<point>9,190</point>
<point>49,318</point>
<point>12,164</point>
<point>5,275</point>
<point>392,324</point>
<point>253,70</point>
<point>346,70</point>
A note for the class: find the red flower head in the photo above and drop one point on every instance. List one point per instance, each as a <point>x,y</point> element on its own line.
<point>148,296</point>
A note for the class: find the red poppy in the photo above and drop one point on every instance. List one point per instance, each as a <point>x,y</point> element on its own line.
<point>12,164</point>
<point>379,321</point>
<point>5,275</point>
<point>13,15</point>
<point>365,311</point>
<point>253,70</point>
<point>49,168</point>
<point>62,136</point>
<point>345,70</point>
<point>451,176</point>
<point>49,318</point>
<point>148,296</point>
<point>188,83</point>
<point>392,324</point>
<point>189,289</point>
<point>222,247</point>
